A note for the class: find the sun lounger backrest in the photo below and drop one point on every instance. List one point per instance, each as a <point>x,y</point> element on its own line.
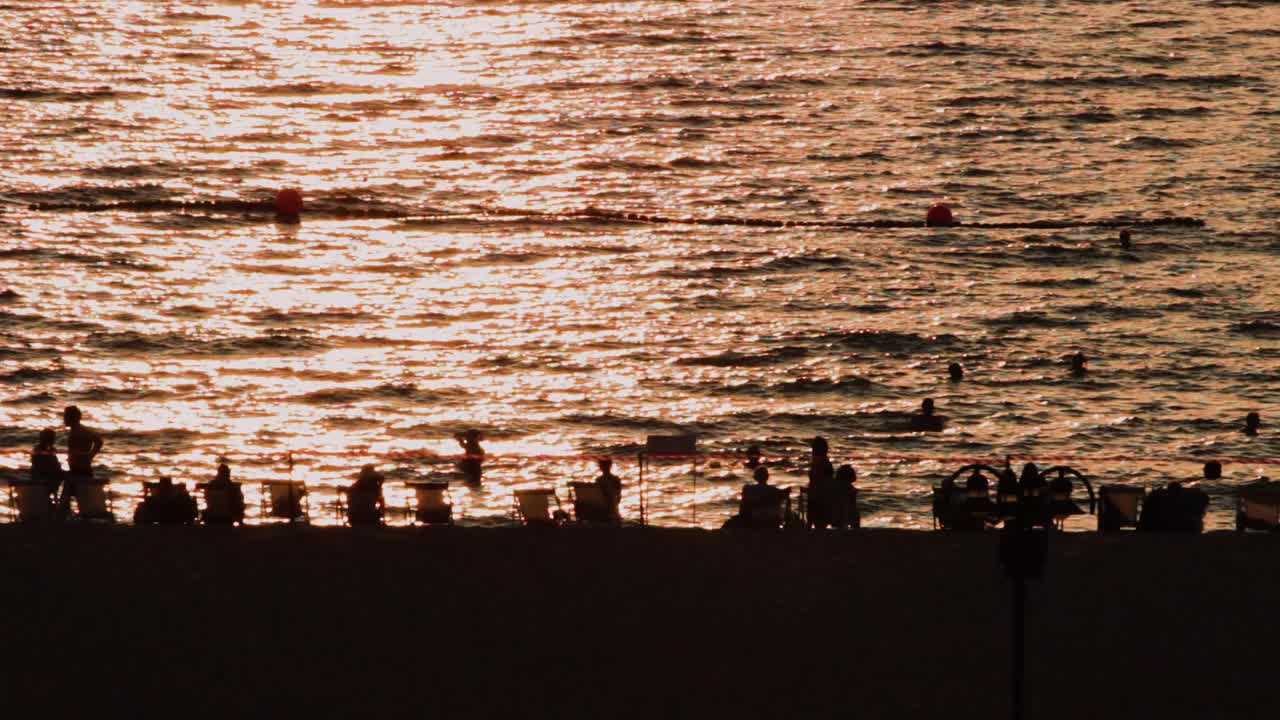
<point>92,499</point>
<point>535,505</point>
<point>32,502</point>
<point>1123,501</point>
<point>217,502</point>
<point>590,503</point>
<point>1261,509</point>
<point>285,498</point>
<point>433,502</point>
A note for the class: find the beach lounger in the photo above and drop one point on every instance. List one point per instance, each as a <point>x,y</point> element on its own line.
<point>591,505</point>
<point>223,504</point>
<point>1258,509</point>
<point>30,502</point>
<point>432,503</point>
<point>93,502</point>
<point>1119,506</point>
<point>533,507</point>
<point>285,500</point>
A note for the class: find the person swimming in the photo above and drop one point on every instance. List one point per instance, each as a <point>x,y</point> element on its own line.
<point>955,371</point>
<point>1252,422</point>
<point>1125,240</point>
<point>1078,362</point>
<point>472,463</point>
<point>927,421</point>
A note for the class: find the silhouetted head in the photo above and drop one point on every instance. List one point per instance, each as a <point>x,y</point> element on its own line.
<point>977,481</point>
<point>71,416</point>
<point>1030,476</point>
<point>1213,470</point>
<point>846,475</point>
<point>1252,422</point>
<point>819,446</point>
<point>224,472</point>
<point>926,407</point>
<point>955,371</point>
<point>1078,361</point>
<point>605,465</point>
<point>761,475</point>
<point>45,440</point>
<point>166,482</point>
<point>1125,241</point>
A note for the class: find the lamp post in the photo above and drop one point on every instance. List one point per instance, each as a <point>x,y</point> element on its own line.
<point>1024,546</point>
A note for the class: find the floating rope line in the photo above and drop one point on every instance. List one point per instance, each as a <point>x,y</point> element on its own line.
<point>268,209</point>
<point>392,455</point>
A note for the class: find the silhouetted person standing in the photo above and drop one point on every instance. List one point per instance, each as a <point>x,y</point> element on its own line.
<point>846,499</point>
<point>1252,422</point>
<point>472,464</point>
<point>611,486</point>
<point>45,468</point>
<point>822,488</point>
<point>83,445</point>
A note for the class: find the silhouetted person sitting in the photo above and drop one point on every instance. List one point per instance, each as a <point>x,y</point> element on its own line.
<point>46,470</point>
<point>1078,362</point>
<point>822,489</point>
<point>1174,509</point>
<point>364,497</point>
<point>753,457</point>
<point>927,421</point>
<point>166,503</point>
<point>1252,422</point>
<point>1031,483</point>
<point>756,498</point>
<point>846,505</point>
<point>956,372</point>
<point>472,464</point>
<point>611,486</point>
<point>83,445</point>
<point>224,498</point>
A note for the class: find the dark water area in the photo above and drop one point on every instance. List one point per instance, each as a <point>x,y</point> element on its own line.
<point>446,276</point>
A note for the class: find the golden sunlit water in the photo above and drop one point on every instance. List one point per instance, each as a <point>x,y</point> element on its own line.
<point>412,302</point>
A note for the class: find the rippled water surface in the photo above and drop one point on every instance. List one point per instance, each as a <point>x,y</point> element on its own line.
<point>423,294</point>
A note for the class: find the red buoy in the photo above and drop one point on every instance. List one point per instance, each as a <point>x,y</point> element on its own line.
<point>288,204</point>
<point>939,216</point>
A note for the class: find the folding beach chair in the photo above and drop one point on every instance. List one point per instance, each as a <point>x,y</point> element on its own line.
<point>591,505</point>
<point>533,507</point>
<point>223,504</point>
<point>966,506</point>
<point>30,502</point>
<point>432,503</point>
<point>1119,506</point>
<point>1258,509</point>
<point>93,501</point>
<point>286,500</point>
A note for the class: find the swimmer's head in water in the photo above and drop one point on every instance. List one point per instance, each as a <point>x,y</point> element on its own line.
<point>1078,363</point>
<point>1125,239</point>
<point>71,416</point>
<point>1252,422</point>
<point>1213,470</point>
<point>761,475</point>
<point>926,407</point>
<point>955,371</point>
<point>819,445</point>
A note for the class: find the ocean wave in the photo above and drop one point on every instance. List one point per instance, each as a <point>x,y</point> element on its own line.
<point>734,358</point>
<point>387,391</point>
<point>889,341</point>
<point>35,375</point>
<point>1033,319</point>
<point>1259,326</point>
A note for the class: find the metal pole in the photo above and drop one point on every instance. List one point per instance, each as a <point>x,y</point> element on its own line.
<point>1019,644</point>
<point>695,491</point>
<point>640,457</point>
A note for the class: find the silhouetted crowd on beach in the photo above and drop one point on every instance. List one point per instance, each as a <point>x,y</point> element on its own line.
<point>829,500</point>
